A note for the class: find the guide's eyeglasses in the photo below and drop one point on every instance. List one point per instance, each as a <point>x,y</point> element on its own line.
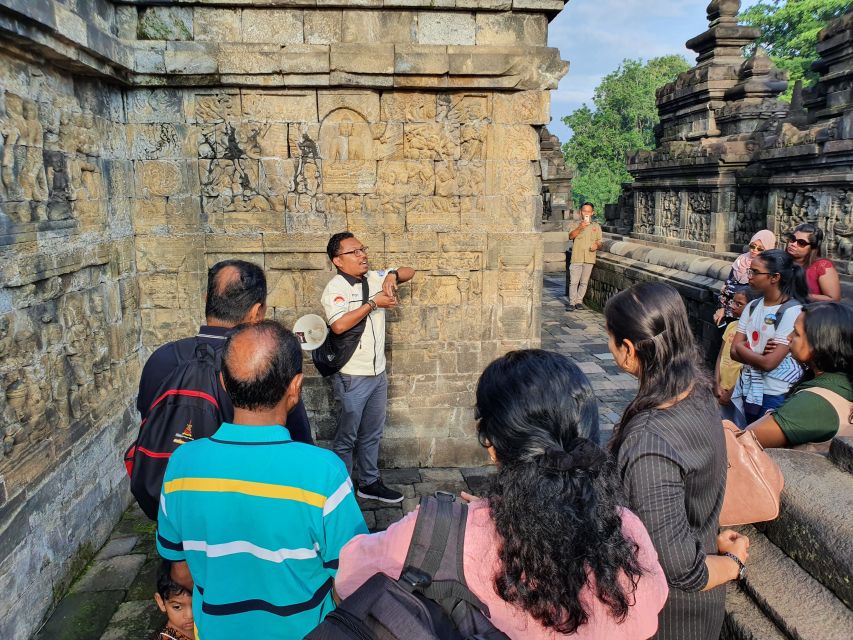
<point>753,272</point>
<point>362,251</point>
<point>802,244</point>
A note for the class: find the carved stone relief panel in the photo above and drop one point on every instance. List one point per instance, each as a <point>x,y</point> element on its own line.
<point>750,214</point>
<point>645,212</point>
<point>840,225</point>
<point>795,206</point>
<point>698,216</point>
<point>669,215</point>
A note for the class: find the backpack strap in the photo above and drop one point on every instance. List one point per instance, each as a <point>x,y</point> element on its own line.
<point>365,290</point>
<point>780,313</point>
<point>433,563</point>
<point>842,406</point>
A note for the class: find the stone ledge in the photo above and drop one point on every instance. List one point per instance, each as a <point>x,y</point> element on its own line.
<point>799,605</point>
<point>814,525</point>
<point>841,453</point>
<point>744,620</point>
<point>703,267</point>
<point>543,6</point>
<point>85,48</point>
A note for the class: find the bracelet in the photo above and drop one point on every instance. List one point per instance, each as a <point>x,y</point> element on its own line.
<point>741,566</point>
<point>373,305</point>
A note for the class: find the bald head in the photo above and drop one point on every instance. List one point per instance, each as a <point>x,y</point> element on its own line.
<point>258,365</point>
<point>234,287</point>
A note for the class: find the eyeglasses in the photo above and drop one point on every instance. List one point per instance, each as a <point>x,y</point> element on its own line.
<point>753,272</point>
<point>755,247</point>
<point>362,251</point>
<point>799,242</point>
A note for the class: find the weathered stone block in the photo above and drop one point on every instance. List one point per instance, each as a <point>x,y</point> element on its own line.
<point>191,58</point>
<point>523,107</point>
<point>421,59</point>
<point>165,23</point>
<point>216,24</point>
<point>362,58</point>
<point>511,29</point>
<point>305,59</point>
<point>451,28</point>
<point>386,26</point>
<point>323,27</point>
<point>280,26</point>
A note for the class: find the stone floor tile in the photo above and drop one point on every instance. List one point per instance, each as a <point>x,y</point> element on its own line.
<point>387,516</point>
<point>145,583</point>
<point>443,475</point>
<point>81,616</point>
<point>135,619</point>
<point>401,476</point>
<point>111,574</point>
<point>117,547</point>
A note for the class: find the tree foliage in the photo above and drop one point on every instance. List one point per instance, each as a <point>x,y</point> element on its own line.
<point>622,121</point>
<point>789,30</point>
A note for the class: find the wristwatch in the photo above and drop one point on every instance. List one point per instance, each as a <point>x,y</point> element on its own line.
<point>372,304</point>
<point>741,566</point>
<point>396,275</point>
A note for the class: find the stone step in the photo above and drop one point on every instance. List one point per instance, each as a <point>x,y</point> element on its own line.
<point>841,453</point>
<point>801,607</point>
<point>745,621</point>
<point>815,526</point>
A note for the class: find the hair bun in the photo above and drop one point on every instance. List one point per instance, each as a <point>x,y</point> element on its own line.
<point>579,453</point>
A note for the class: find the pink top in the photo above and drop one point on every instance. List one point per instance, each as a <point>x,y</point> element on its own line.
<point>366,555</point>
<point>815,270</point>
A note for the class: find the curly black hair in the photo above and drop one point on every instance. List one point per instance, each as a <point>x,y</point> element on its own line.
<point>556,499</point>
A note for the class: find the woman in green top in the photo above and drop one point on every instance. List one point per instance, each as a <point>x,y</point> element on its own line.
<point>821,408</point>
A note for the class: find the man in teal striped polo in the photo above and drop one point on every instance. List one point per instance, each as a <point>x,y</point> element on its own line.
<point>258,518</point>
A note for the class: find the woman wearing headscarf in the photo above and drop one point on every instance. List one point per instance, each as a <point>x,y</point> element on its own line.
<point>761,241</point>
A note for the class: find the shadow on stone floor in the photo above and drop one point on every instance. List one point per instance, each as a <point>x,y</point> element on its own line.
<point>113,597</point>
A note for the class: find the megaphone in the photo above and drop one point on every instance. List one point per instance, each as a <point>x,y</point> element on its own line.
<point>311,331</point>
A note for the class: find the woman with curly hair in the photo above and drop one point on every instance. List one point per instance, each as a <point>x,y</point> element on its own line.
<point>671,454</point>
<point>550,550</point>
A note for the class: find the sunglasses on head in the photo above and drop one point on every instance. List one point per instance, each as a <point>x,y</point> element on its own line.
<point>799,242</point>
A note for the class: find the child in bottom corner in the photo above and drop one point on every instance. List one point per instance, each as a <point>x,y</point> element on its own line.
<point>727,371</point>
<point>177,603</point>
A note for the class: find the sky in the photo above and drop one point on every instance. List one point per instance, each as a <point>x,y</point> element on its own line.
<point>596,35</point>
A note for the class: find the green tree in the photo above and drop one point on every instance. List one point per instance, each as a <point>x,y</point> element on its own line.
<point>622,121</point>
<point>789,30</point>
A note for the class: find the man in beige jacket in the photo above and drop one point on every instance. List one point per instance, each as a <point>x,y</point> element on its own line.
<point>586,236</point>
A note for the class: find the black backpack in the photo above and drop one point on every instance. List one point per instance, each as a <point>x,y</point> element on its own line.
<point>430,600</point>
<point>186,407</point>
<point>337,349</point>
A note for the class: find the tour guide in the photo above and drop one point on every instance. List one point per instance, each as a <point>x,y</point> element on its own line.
<point>361,386</point>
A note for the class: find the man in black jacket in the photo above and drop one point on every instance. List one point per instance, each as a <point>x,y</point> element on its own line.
<point>236,294</point>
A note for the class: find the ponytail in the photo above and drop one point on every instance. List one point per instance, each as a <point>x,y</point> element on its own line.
<point>555,500</point>
<point>792,279</point>
<point>558,521</point>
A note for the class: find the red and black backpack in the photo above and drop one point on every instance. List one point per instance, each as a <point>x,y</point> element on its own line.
<point>186,407</point>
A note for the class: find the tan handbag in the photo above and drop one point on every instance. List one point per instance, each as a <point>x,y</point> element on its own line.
<point>754,482</point>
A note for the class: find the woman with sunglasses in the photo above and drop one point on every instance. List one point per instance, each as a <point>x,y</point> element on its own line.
<point>820,408</point>
<point>761,341</point>
<point>805,247</point>
<point>550,551</point>
<point>761,241</point>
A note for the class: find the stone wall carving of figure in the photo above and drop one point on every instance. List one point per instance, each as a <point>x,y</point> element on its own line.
<point>670,213</point>
<point>12,133</point>
<point>33,178</point>
<point>645,212</point>
<point>843,228</point>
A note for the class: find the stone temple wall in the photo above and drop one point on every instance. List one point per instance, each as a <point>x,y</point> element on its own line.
<point>730,160</point>
<point>142,143</point>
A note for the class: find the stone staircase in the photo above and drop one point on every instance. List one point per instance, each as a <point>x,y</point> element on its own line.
<point>800,580</point>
